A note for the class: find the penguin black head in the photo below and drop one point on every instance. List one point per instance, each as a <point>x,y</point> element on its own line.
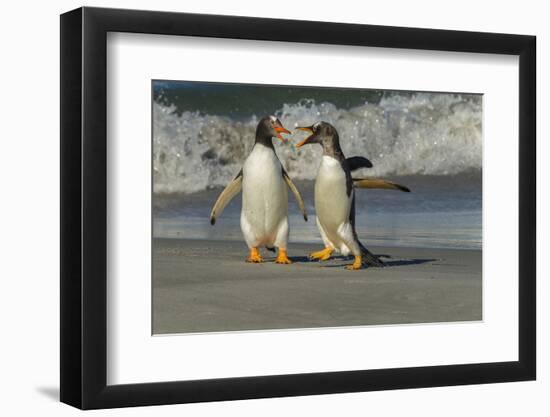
<point>324,134</point>
<point>270,127</point>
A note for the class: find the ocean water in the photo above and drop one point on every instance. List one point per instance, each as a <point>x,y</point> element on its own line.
<point>430,142</point>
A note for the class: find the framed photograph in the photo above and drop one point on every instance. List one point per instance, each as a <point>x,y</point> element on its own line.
<point>258,208</point>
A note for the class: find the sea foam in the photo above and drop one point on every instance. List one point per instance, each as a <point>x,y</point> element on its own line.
<point>414,134</point>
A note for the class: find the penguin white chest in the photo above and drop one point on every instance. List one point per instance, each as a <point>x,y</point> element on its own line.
<point>332,204</point>
<point>265,199</point>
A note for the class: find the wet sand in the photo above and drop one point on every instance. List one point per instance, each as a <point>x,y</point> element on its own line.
<point>205,286</point>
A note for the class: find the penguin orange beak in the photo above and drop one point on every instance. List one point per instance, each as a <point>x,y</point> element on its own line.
<point>308,129</point>
<point>279,130</point>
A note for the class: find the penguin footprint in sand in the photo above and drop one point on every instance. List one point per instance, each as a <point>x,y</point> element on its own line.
<point>263,181</point>
<point>335,197</point>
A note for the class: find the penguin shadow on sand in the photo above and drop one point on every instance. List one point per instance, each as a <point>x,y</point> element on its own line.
<point>270,257</point>
<point>340,261</point>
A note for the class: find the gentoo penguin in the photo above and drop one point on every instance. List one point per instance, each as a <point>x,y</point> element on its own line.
<point>263,180</point>
<point>335,197</point>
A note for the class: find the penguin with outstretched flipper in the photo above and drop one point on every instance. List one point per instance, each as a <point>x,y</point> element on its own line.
<point>263,181</point>
<point>335,197</point>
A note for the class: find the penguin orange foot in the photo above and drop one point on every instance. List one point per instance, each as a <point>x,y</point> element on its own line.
<point>282,258</point>
<point>254,256</point>
<point>357,264</point>
<point>321,255</point>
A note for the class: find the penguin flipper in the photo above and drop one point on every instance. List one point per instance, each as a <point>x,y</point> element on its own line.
<point>296,193</point>
<point>230,191</point>
<point>358,162</point>
<point>378,183</point>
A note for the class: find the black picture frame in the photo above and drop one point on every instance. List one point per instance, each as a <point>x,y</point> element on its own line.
<point>84,207</point>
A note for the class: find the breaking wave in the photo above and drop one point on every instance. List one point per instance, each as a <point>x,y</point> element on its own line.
<point>418,134</point>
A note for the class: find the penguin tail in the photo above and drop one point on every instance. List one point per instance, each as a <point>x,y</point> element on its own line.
<point>271,249</point>
<point>369,258</point>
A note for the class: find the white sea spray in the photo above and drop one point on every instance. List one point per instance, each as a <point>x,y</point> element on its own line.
<point>419,134</point>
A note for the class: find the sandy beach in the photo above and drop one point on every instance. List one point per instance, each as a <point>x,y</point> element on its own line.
<point>205,286</point>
